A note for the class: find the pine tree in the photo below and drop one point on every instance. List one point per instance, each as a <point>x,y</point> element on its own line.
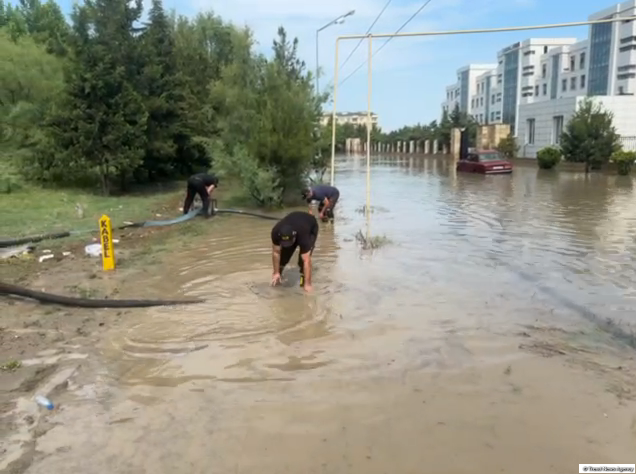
<point>100,127</point>
<point>164,92</point>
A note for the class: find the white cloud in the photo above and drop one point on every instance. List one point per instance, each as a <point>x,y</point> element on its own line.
<point>301,18</point>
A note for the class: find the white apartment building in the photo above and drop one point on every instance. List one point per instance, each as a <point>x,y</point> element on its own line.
<point>460,93</point>
<point>495,91</point>
<point>538,83</point>
<point>602,67</point>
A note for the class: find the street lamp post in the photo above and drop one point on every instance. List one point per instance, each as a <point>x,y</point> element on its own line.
<point>338,21</point>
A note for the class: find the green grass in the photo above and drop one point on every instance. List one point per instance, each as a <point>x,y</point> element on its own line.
<point>11,365</point>
<point>33,210</point>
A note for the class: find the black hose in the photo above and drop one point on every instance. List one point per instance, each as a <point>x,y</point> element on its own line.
<point>177,220</point>
<point>8,289</point>
<point>32,239</point>
<point>247,213</point>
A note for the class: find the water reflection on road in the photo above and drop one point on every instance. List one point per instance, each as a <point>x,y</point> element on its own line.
<point>401,358</point>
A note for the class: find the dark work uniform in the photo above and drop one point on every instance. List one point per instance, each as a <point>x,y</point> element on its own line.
<point>306,227</point>
<point>319,193</point>
<point>197,184</point>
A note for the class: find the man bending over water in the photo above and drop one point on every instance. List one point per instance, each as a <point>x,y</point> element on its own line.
<point>202,184</point>
<point>296,229</point>
<point>327,197</point>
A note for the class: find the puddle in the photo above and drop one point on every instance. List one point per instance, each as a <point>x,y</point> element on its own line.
<point>421,354</point>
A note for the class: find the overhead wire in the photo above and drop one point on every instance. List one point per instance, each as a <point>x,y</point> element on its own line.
<point>368,31</point>
<point>386,42</point>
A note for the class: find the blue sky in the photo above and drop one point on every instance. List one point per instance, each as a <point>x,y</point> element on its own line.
<point>409,74</point>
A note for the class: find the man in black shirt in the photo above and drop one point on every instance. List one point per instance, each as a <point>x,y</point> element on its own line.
<point>202,184</point>
<point>296,229</point>
<point>327,197</point>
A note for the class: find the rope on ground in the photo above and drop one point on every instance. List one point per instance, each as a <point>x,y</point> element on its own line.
<point>14,290</point>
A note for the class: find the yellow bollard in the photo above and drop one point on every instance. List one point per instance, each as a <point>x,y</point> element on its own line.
<point>108,248</point>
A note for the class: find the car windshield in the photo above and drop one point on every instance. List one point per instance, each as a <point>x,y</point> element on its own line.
<point>489,157</point>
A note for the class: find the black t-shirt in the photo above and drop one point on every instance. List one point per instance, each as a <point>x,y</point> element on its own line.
<point>206,179</point>
<point>304,224</point>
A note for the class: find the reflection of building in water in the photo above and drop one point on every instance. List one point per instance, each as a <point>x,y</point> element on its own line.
<point>618,227</point>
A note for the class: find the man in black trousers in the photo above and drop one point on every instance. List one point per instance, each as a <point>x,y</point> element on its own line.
<point>202,184</point>
<point>296,229</point>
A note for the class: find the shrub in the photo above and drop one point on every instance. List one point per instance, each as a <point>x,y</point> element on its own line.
<point>589,136</point>
<point>259,182</point>
<point>624,161</point>
<point>508,147</point>
<point>548,157</point>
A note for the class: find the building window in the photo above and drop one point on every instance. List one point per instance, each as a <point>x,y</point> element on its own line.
<point>544,70</point>
<point>492,116</point>
<point>564,85</point>
<point>557,129</point>
<point>600,53</point>
<point>621,90</point>
<point>582,61</point>
<point>530,131</point>
<point>628,75</point>
<point>492,99</point>
<point>481,118</point>
<point>545,89</point>
<point>472,103</point>
<point>481,101</point>
<point>545,49</point>
<point>572,63</point>
<point>536,90</point>
<point>583,81</point>
<point>572,83</point>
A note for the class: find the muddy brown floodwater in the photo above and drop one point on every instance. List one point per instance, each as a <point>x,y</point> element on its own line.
<point>469,343</point>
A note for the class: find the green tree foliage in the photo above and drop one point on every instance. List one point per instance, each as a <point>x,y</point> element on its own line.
<point>268,115</point>
<point>29,81</point>
<point>105,100</point>
<point>99,127</point>
<point>163,88</point>
<point>508,147</point>
<point>548,157</point>
<point>432,131</point>
<point>624,161</point>
<point>589,137</point>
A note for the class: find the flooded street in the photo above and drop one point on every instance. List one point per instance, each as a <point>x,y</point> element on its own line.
<point>469,343</point>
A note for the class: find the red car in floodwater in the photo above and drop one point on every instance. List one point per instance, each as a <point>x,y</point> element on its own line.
<point>484,162</point>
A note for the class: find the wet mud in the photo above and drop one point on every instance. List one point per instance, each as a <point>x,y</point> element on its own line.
<point>463,345</point>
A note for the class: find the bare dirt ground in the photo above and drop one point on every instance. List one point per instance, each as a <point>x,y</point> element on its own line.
<point>29,330</point>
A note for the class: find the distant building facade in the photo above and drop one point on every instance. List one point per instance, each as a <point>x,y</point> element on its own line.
<point>353,118</point>
<point>539,83</point>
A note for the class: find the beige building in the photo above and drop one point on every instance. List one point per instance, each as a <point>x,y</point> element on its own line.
<point>354,118</point>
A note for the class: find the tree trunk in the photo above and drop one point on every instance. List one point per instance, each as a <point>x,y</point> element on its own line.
<point>105,177</point>
<point>122,181</point>
<point>104,181</point>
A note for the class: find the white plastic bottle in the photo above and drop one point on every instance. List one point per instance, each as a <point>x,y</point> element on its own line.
<point>45,402</point>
